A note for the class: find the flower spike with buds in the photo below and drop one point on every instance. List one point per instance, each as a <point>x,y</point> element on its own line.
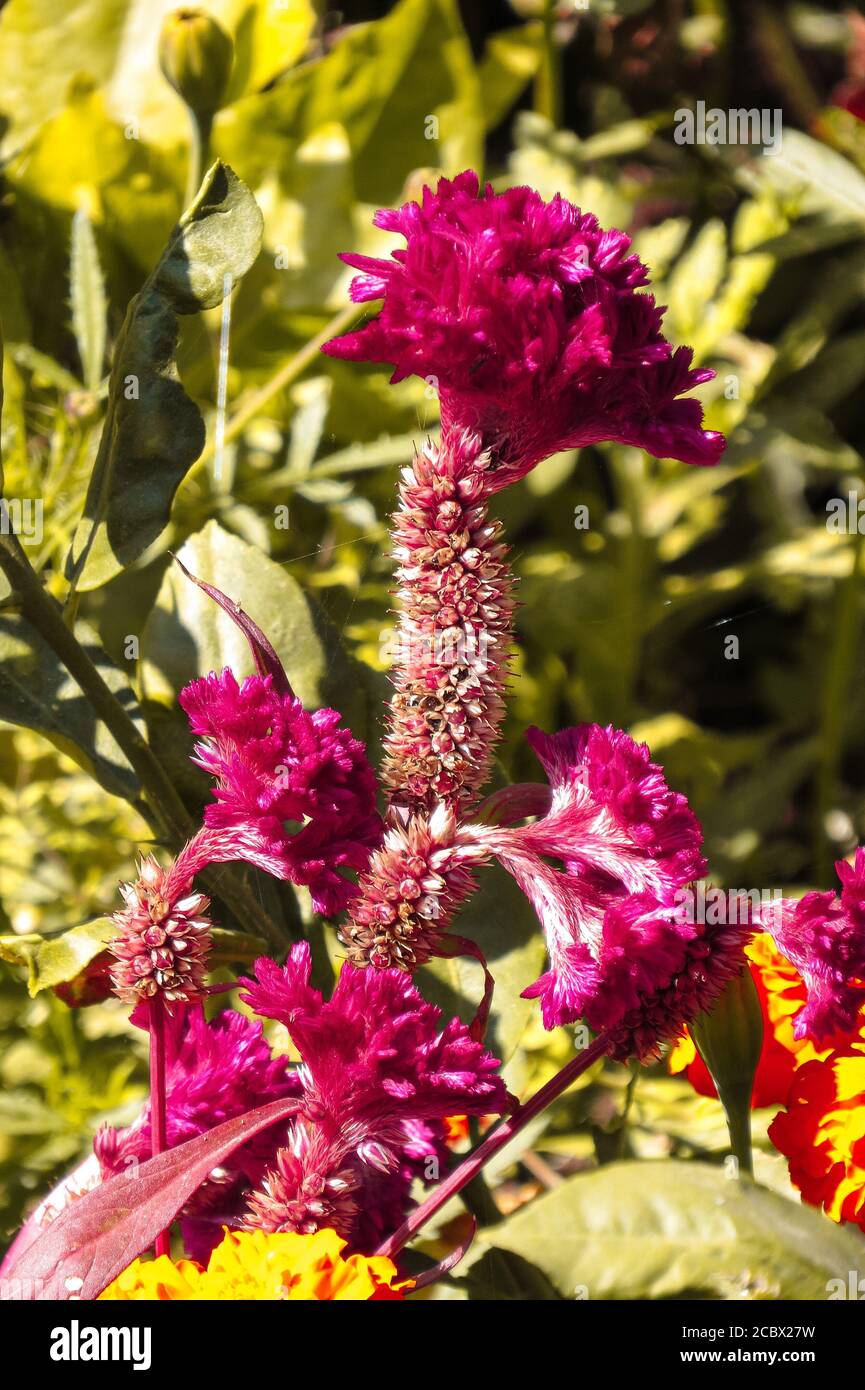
<point>164,938</point>
<point>455,607</point>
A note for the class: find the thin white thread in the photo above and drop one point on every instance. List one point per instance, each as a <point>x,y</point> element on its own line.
<point>222,377</point>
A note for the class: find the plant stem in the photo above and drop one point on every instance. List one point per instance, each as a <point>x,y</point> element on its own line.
<point>548,87</point>
<point>172,819</point>
<point>158,1126</point>
<point>738,1116</point>
<point>476,1194</point>
<point>501,1135</point>
<point>839,674</point>
<point>45,615</point>
<point>201,124</point>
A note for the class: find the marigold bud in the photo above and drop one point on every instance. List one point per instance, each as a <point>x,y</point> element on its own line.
<point>196,56</point>
<point>730,1039</point>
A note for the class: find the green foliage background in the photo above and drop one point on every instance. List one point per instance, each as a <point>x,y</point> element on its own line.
<point>623,620</point>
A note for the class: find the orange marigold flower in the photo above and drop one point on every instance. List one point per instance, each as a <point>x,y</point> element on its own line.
<point>822,1133</point>
<point>782,994</point>
<point>257,1266</point>
<point>456,1129</point>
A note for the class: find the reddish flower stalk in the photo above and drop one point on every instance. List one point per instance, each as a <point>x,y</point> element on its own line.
<point>501,1135</point>
<point>159,1142</point>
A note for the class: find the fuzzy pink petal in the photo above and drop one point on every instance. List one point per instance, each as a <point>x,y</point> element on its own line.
<point>529,317</point>
<point>295,794</point>
<point>824,937</point>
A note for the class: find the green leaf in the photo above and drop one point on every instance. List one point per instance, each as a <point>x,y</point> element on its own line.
<point>675,1230</point>
<point>500,918</point>
<point>89,304</point>
<point>115,43</point>
<point>55,960</point>
<point>826,182</point>
<point>38,692</point>
<point>510,61</point>
<point>153,432</point>
<point>500,1276</point>
<point>696,277</point>
<point>379,81</point>
<point>187,634</point>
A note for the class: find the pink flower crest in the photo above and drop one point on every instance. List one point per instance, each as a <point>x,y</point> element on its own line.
<point>298,783</point>
<point>379,1075</point>
<point>527,318</point>
<point>824,937</point>
<point>622,955</point>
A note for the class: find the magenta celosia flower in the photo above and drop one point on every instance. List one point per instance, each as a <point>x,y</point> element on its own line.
<point>526,316</point>
<point>379,1075</point>
<point>297,785</point>
<point>622,954</point>
<point>214,1072</point>
<point>824,937</point>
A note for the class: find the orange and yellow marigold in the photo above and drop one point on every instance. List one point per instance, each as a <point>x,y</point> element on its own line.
<point>782,993</point>
<point>822,1133</point>
<point>252,1266</point>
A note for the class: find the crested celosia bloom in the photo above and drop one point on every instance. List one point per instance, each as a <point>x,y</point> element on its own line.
<point>527,318</point>
<point>822,1133</point>
<point>298,783</point>
<point>379,1076</point>
<point>824,937</point>
<point>214,1071</point>
<point>782,994</point>
<point>250,1266</point>
<point>622,955</point>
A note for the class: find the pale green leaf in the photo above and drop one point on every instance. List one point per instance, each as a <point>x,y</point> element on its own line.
<point>675,1230</point>
<point>89,304</point>
<point>55,960</point>
<point>153,432</point>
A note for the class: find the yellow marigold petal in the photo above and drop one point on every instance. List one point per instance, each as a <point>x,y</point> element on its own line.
<point>158,1280</point>
<point>254,1266</point>
<point>681,1054</point>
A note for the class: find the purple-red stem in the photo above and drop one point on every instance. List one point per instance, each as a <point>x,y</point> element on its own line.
<point>158,1127</point>
<point>500,1136</point>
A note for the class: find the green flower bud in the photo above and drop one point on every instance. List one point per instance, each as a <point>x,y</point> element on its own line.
<point>196,55</point>
<point>730,1040</point>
